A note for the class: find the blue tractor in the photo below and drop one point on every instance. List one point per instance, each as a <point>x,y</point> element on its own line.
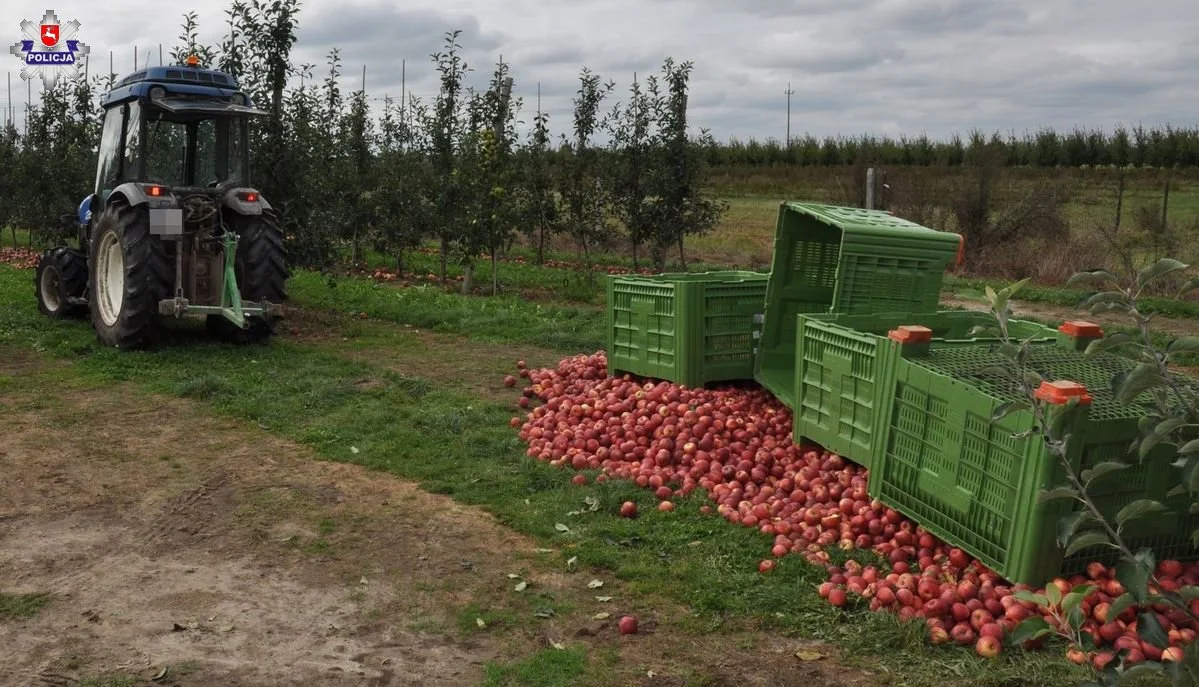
<point>173,226</point>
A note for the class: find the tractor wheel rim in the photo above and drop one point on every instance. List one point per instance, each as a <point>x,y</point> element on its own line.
<point>110,278</point>
<point>49,288</point>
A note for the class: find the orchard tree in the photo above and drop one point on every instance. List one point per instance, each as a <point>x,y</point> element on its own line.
<point>403,193</point>
<point>679,206</point>
<point>630,126</point>
<point>538,205</point>
<point>582,188</point>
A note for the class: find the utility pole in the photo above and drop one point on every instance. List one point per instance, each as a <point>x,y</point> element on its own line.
<point>789,93</point>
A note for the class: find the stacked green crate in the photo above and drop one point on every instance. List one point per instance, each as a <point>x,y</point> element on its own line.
<point>830,259</point>
<point>937,456</point>
<point>691,328</point>
<point>844,371</point>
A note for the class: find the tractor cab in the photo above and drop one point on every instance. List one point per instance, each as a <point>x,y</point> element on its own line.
<point>172,130</point>
<point>172,226</point>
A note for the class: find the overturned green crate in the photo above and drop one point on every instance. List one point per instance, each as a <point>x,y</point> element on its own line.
<point>691,328</point>
<point>830,259</point>
<point>844,371</point>
<point>938,457</point>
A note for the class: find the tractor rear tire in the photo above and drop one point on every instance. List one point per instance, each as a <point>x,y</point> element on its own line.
<point>261,269</point>
<point>61,275</point>
<point>129,274</point>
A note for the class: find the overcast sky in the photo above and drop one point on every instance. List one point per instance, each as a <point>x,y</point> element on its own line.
<point>880,66</point>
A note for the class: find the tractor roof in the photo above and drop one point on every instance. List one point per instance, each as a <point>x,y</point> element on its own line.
<point>183,80</point>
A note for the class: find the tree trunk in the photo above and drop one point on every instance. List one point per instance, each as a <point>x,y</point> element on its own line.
<point>445,249</point>
<point>400,263</point>
<point>682,255</point>
<point>541,245</point>
<point>495,278</point>
<point>1119,202</point>
<point>468,272</point>
<point>635,265</point>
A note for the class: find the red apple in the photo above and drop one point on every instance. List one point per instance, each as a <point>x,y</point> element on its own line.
<point>987,646</point>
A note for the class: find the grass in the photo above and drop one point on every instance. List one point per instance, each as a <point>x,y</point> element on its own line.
<point>546,668</point>
<point>503,319</point>
<point>974,287</point>
<point>19,606</point>
<point>462,446</point>
<point>115,680</point>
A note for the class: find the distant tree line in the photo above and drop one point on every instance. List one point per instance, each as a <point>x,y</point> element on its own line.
<point>1138,146</point>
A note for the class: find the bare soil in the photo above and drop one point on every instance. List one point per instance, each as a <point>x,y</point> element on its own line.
<point>186,549</point>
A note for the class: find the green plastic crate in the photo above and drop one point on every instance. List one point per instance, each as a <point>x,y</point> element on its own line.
<point>844,372</point>
<point>830,259</point>
<point>940,459</point>
<point>691,328</point>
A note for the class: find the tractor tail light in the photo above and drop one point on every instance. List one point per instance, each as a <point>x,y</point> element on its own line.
<point>155,191</point>
<point>248,196</point>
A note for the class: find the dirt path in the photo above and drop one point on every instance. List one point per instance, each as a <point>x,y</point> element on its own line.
<point>197,550</point>
<point>1054,313</point>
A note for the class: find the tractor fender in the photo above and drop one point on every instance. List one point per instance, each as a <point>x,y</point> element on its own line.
<point>135,194</point>
<point>85,211</point>
<point>235,200</point>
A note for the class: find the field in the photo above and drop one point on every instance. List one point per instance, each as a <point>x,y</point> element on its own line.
<point>350,506</point>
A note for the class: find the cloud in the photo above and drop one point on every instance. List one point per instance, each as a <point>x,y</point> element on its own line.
<point>855,66</point>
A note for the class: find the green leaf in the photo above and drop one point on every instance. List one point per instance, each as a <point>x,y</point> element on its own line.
<point>1102,469</point>
<point>993,299</point>
<point>1074,616</point>
<point>1190,473</point>
<point>981,331</point>
<point>1053,594</point>
<point>1190,447</point>
<point>1184,344</point>
<point>1121,603</point>
<point>1031,597</point>
<point>1151,630</point>
<point>1168,426</point>
<point>1188,287</point>
<point>1087,540</point>
<point>1075,597</point>
<point>1137,670</point>
<point>1142,378</point>
<point>1032,379</point>
<point>1189,592</point>
<point>1139,509</point>
<point>1008,408</point>
<point>1091,278</point>
<point>1056,493</point>
<point>1135,574</point>
<point>1105,298</point>
<point>1157,270</point>
<point>1031,627</point>
<point>1107,343</point>
<point>1015,288</point>
<point>1068,525</point>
